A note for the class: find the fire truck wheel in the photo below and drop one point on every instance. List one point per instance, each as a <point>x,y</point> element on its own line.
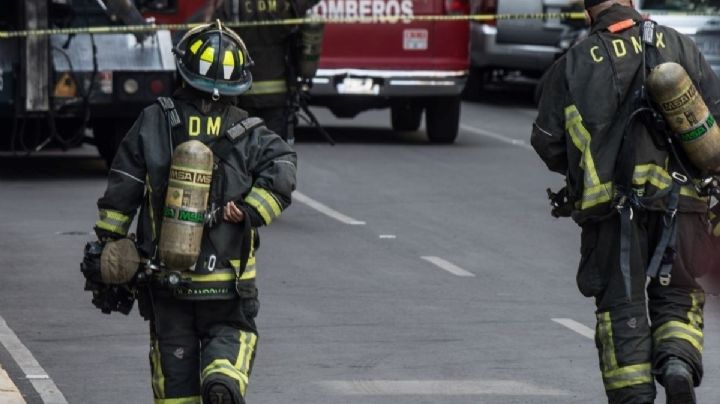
<point>442,119</point>
<point>108,134</point>
<point>405,117</point>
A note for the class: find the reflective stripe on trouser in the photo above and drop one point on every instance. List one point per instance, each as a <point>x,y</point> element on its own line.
<point>264,203</point>
<point>189,336</point>
<point>629,330</point>
<point>624,338</point>
<point>233,361</point>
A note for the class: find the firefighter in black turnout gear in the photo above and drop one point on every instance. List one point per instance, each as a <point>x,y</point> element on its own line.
<point>203,334</point>
<point>276,51</point>
<point>636,197</point>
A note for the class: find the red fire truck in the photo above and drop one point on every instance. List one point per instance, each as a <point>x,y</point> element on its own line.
<point>387,60</point>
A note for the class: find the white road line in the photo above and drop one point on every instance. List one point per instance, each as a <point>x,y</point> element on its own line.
<point>325,210</point>
<point>448,266</point>
<point>43,384</point>
<point>579,328</point>
<point>496,136</point>
<point>438,388</point>
<point>388,236</point>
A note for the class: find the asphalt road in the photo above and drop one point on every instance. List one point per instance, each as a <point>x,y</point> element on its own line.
<point>403,273</point>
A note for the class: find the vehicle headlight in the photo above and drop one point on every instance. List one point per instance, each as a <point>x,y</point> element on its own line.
<point>130,86</point>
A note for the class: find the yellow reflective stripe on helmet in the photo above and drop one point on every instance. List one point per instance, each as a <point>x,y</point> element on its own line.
<point>679,330</point>
<point>114,221</point>
<point>264,203</point>
<point>195,46</point>
<point>158,379</point>
<point>208,54</point>
<point>268,87</point>
<point>627,376</point>
<point>179,400</point>
<point>228,60</point>
<point>241,57</point>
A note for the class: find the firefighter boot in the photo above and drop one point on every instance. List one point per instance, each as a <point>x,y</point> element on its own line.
<point>678,381</point>
<point>219,394</point>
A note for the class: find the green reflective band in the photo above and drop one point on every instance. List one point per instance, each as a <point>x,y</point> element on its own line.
<point>250,270</point>
<point>264,203</point>
<point>680,330</point>
<point>698,132</point>
<point>179,400</point>
<point>627,376</point>
<point>224,367</point>
<point>595,192</point>
<point>114,221</point>
<point>267,87</point>
<point>608,362</point>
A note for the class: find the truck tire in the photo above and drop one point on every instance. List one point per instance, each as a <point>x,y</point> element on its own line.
<point>405,117</point>
<point>442,119</point>
<point>108,134</point>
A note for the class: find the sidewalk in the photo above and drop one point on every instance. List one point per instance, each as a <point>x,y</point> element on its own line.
<point>9,394</point>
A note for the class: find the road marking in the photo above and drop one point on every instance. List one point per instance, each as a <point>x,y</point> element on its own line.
<point>388,236</point>
<point>496,136</point>
<point>579,328</point>
<point>325,210</point>
<point>439,388</point>
<point>448,266</point>
<point>43,384</point>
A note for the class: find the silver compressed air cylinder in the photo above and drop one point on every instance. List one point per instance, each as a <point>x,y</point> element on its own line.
<point>185,205</point>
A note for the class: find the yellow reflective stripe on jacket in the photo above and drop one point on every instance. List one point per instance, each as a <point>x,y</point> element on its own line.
<point>250,269</point>
<point>179,400</point>
<point>654,174</point>
<point>594,191</point>
<point>212,277</point>
<point>114,221</point>
<point>614,376</point>
<point>267,87</point>
<point>264,203</point>
<point>628,376</point>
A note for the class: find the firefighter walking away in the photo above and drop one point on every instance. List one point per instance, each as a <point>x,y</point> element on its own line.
<point>638,187</point>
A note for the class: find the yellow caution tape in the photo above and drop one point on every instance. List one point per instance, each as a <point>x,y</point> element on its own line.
<point>289,21</point>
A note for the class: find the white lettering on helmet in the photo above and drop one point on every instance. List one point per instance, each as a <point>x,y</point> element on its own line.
<point>377,10</point>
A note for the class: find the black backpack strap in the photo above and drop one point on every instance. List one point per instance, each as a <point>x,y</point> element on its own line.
<point>177,131</point>
<point>224,145</point>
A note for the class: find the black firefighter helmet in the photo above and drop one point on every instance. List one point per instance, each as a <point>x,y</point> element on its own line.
<point>214,59</point>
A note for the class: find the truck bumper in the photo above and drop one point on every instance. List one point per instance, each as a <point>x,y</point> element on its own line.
<point>388,83</point>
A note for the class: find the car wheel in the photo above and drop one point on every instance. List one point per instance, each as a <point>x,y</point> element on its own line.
<point>108,134</point>
<point>405,117</point>
<point>442,119</point>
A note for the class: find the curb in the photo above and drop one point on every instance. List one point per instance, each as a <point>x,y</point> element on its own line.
<point>9,393</point>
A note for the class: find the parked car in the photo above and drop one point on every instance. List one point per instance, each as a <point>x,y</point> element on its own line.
<point>703,27</point>
<point>528,46</point>
<point>408,66</point>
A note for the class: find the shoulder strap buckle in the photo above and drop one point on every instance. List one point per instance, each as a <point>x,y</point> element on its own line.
<point>168,106</point>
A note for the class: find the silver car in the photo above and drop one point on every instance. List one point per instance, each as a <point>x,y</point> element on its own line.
<point>528,46</point>
<point>700,19</point>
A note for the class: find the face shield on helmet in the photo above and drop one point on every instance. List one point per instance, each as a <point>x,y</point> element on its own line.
<point>213,59</point>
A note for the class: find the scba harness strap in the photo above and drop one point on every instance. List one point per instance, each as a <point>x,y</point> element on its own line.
<point>222,148</point>
<point>627,200</point>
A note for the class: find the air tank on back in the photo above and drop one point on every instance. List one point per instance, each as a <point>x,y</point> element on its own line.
<point>686,113</point>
